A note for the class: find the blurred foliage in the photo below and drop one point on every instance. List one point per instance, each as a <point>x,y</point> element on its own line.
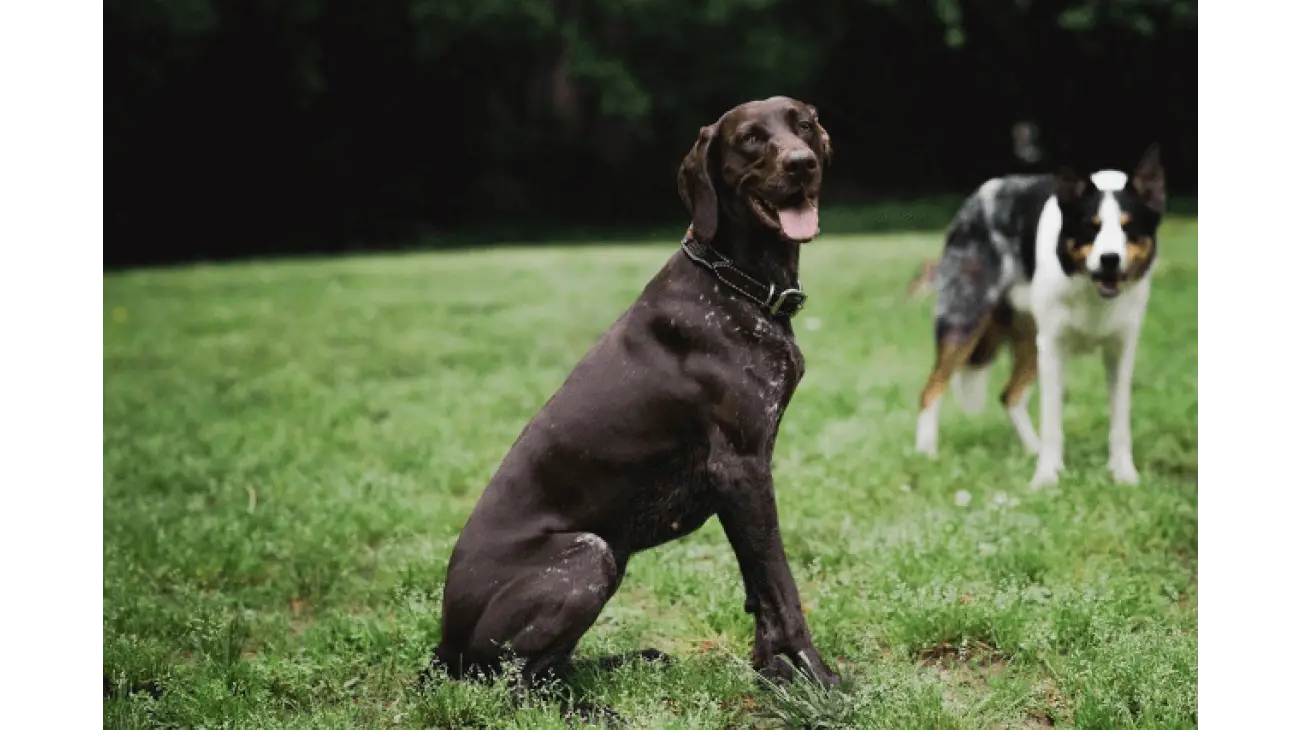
<point>308,124</point>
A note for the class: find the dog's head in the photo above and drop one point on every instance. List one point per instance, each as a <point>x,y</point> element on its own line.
<point>760,165</point>
<point>1109,223</point>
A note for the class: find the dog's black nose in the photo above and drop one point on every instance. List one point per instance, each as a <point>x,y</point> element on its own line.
<point>801,160</point>
<point>1109,262</point>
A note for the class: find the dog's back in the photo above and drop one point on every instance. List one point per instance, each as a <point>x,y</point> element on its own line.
<point>991,239</point>
<point>989,258</point>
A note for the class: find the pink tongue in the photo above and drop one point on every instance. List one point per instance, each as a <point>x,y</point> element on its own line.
<point>800,223</point>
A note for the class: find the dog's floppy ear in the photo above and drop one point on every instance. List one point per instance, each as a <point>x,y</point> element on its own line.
<point>1069,187</point>
<point>823,135</point>
<point>1149,180</point>
<point>696,188</point>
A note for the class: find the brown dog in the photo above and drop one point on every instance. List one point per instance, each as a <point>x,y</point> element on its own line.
<point>668,420</point>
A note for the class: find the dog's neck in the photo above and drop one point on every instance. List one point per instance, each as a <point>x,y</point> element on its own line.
<point>759,252</point>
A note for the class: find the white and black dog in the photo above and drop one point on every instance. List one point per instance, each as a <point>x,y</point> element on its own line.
<point>1053,267</point>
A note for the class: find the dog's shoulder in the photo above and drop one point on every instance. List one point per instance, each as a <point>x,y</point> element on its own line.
<point>674,310</point>
<point>1002,216</point>
<point>722,348</point>
<point>1020,200</point>
<point>1024,199</point>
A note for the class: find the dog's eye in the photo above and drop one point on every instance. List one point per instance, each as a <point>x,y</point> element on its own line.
<point>750,138</point>
<point>805,125</point>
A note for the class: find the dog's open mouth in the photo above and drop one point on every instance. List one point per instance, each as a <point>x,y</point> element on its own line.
<point>796,216</point>
<point>1107,284</point>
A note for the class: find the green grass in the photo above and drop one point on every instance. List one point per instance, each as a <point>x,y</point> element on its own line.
<point>290,449</point>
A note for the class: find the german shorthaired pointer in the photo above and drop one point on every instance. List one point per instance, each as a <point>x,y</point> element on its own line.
<point>669,419</point>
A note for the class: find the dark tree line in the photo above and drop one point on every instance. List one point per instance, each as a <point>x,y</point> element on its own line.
<point>260,126</point>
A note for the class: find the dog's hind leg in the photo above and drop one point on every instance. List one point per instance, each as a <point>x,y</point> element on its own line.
<point>967,303</point>
<point>538,610</point>
<point>954,346</point>
<point>1024,370</point>
<point>970,383</point>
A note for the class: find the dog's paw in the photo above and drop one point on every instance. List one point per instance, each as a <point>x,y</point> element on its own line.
<point>782,671</point>
<point>927,434</point>
<point>927,444</point>
<point>1123,471</point>
<point>1044,477</point>
<point>776,672</point>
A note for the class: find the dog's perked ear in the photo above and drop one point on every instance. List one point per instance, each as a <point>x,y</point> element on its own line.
<point>1149,180</point>
<point>1069,187</point>
<point>696,188</point>
<point>822,135</point>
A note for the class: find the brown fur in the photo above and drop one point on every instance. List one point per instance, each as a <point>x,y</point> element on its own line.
<point>1024,360</point>
<point>1139,257</point>
<point>669,419</point>
<point>953,353</point>
<point>1078,252</point>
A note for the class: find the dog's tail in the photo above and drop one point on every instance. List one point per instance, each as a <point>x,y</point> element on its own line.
<point>923,283</point>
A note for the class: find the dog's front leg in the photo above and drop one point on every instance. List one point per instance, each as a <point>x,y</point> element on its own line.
<point>751,599</point>
<point>1120,357</point>
<point>749,518</point>
<point>1051,377</point>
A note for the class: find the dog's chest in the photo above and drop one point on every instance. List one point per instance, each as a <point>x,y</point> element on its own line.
<point>670,509</point>
<point>771,369</point>
<point>751,373</point>
<point>1081,321</point>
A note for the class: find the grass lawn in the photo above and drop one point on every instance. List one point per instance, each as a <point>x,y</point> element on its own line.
<point>290,449</point>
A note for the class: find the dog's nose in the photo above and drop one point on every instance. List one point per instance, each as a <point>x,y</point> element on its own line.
<point>1109,262</point>
<point>799,161</point>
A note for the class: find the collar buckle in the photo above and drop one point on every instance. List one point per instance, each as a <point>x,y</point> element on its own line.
<point>795,298</point>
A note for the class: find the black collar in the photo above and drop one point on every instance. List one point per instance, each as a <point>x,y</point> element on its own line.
<point>786,303</point>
